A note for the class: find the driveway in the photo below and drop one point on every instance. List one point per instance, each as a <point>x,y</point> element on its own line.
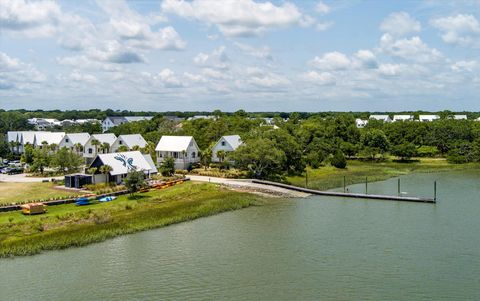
<point>22,178</point>
<point>248,185</point>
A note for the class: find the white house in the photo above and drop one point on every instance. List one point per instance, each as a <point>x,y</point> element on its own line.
<point>183,149</point>
<point>403,117</point>
<point>50,138</point>
<point>460,117</point>
<point>226,144</point>
<point>113,121</point>
<point>361,123</point>
<point>71,141</point>
<point>129,141</point>
<point>90,151</point>
<point>122,163</point>
<point>384,118</point>
<point>428,118</point>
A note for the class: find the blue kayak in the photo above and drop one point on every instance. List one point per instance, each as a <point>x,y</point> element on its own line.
<point>82,201</point>
<point>106,199</point>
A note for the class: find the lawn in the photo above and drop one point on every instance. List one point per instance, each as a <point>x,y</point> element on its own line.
<point>21,192</point>
<point>69,225</point>
<point>329,177</point>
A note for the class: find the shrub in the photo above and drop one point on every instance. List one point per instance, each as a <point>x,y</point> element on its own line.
<point>339,160</point>
<point>456,159</point>
<point>427,151</point>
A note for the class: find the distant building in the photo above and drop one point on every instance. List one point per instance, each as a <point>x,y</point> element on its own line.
<point>384,118</point>
<point>202,117</point>
<point>226,144</point>
<point>42,124</point>
<point>122,163</point>
<point>113,121</point>
<point>47,138</point>
<point>360,123</point>
<point>90,151</point>
<point>71,140</point>
<point>460,117</point>
<point>428,118</point>
<point>129,141</point>
<point>183,149</point>
<point>402,118</point>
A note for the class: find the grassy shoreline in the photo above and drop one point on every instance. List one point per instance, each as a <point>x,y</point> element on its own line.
<point>329,177</point>
<point>70,226</point>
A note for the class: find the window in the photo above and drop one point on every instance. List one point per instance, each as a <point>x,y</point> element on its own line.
<point>193,155</point>
<point>90,151</point>
<point>66,140</point>
<point>160,154</point>
<point>223,143</point>
<point>175,155</point>
<point>120,142</point>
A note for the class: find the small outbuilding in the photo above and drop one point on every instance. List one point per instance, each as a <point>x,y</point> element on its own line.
<point>77,180</point>
<point>225,144</point>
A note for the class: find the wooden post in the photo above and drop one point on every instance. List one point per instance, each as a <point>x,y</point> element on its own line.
<point>398,186</point>
<point>366,185</point>
<point>306,178</point>
<point>344,184</point>
<point>435,190</point>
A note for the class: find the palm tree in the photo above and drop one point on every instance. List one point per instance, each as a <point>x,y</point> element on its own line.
<point>122,148</point>
<point>184,153</point>
<point>95,143</point>
<point>44,144</point>
<point>136,148</point>
<point>92,171</point>
<point>78,148</point>
<point>221,155</point>
<point>105,169</point>
<point>105,147</point>
<point>53,147</point>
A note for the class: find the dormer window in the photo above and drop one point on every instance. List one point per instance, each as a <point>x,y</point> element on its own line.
<point>66,140</point>
<point>223,143</point>
<point>120,142</point>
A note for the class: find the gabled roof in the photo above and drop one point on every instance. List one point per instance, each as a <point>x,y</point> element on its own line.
<point>459,117</point>
<point>428,117</point>
<point>402,117</point>
<point>13,136</point>
<point>49,137</point>
<point>174,143</point>
<point>379,117</point>
<point>234,140</point>
<point>75,138</point>
<point>108,138</point>
<point>132,140</point>
<point>137,118</point>
<point>124,162</point>
<point>116,119</point>
<point>28,137</point>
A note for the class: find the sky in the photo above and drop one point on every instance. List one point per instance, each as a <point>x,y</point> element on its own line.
<point>240,54</point>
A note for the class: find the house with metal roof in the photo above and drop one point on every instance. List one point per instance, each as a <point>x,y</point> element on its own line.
<point>428,118</point>
<point>225,144</point>
<point>183,149</point>
<point>460,117</point>
<point>72,140</point>
<point>48,138</point>
<point>384,118</point>
<point>129,141</point>
<point>112,121</point>
<point>402,118</point>
<point>122,163</point>
<point>90,151</point>
<point>360,123</point>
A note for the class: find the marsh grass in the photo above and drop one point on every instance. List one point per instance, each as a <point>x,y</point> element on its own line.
<point>68,225</point>
<point>329,177</point>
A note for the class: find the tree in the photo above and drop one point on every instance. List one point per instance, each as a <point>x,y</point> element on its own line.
<point>260,157</point>
<point>95,143</point>
<point>105,147</point>
<point>78,148</point>
<point>206,157</point>
<point>122,148</point>
<point>374,141</point>
<point>135,181</point>
<point>105,169</point>
<point>41,160</point>
<point>92,171</point>
<point>405,151</point>
<point>27,156</point>
<point>221,155</point>
<point>338,160</point>
<point>167,167</point>
<point>66,161</point>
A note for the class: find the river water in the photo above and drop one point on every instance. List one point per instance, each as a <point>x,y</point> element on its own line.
<point>317,248</point>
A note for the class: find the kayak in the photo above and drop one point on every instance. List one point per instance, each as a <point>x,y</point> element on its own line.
<point>107,199</point>
<point>82,201</point>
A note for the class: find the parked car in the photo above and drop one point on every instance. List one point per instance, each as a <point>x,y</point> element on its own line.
<point>14,171</point>
<point>5,161</point>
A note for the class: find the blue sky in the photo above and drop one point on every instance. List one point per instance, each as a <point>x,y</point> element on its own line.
<point>240,54</point>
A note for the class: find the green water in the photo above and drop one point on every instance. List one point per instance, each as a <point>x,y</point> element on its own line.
<point>317,248</point>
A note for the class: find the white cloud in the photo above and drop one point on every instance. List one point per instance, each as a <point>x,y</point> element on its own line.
<point>367,59</point>
<point>217,59</point>
<point>390,69</point>
<point>412,49</point>
<point>82,77</point>
<point>168,78</point>
<point>463,30</point>
<point>323,78</point>
<point>15,74</point>
<point>196,78</point>
<point>322,8</point>
<point>464,66</point>
<point>261,52</point>
<point>331,61</point>
<point>237,17</point>
<point>32,19</point>
<point>322,26</point>
<point>400,24</point>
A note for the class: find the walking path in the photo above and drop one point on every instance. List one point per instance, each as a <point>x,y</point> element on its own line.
<point>249,186</point>
<point>22,178</point>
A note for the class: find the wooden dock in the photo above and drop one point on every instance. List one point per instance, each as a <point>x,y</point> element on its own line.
<point>349,194</point>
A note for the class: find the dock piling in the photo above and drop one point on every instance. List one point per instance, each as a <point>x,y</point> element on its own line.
<point>366,185</point>
<point>344,184</point>
<point>435,190</point>
<point>398,193</point>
